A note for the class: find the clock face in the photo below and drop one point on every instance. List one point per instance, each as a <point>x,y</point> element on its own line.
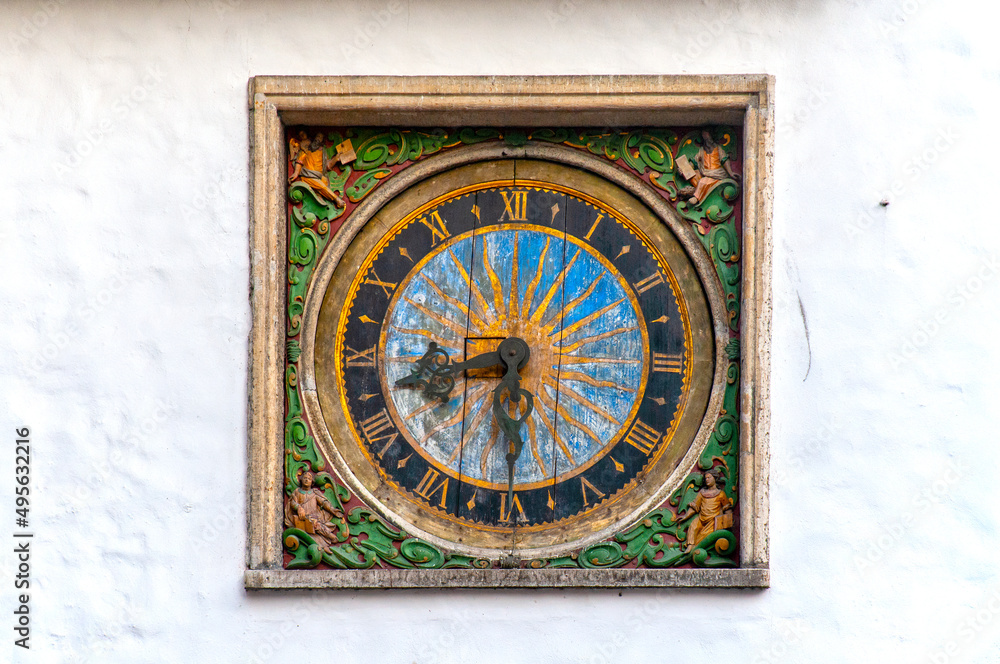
<point>619,368</point>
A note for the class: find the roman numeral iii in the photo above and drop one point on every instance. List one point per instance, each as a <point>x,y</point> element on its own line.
<point>669,362</point>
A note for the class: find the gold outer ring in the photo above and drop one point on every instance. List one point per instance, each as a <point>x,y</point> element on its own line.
<point>697,378</point>
<point>410,218</point>
<point>390,405</point>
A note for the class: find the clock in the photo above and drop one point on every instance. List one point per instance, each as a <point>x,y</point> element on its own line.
<point>512,355</point>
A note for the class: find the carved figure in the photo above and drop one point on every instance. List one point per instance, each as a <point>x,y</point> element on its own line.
<point>712,167</point>
<point>714,510</point>
<point>309,510</point>
<point>311,166</point>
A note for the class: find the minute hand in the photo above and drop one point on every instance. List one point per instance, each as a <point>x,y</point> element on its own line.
<point>514,352</point>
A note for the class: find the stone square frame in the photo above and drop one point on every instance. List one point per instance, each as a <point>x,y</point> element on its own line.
<point>648,101</point>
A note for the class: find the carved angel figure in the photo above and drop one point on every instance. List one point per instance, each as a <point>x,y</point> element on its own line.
<point>311,165</point>
<point>712,167</point>
<point>309,510</point>
<point>714,510</point>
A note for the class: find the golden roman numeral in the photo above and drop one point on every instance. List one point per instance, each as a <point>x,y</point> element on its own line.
<point>654,279</point>
<point>386,286</point>
<point>379,427</point>
<point>594,227</point>
<point>669,362</point>
<point>516,203</point>
<point>359,358</point>
<point>439,232</point>
<point>427,488</point>
<point>643,437</point>
<point>505,513</point>
<point>584,485</point>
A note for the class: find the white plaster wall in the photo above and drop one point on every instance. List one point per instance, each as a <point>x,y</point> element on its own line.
<point>124,320</point>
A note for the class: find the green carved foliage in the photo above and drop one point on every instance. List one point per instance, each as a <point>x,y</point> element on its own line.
<point>364,184</point>
<point>365,540</point>
<point>643,150</point>
<point>377,148</point>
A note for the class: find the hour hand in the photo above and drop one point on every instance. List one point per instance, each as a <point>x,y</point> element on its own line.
<point>435,371</point>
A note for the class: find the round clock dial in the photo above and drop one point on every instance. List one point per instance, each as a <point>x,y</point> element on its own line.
<point>619,367</point>
<point>583,323</point>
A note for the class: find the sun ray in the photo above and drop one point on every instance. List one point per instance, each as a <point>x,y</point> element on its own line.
<point>583,359</point>
<point>565,414</point>
<point>529,296</point>
<point>480,300</point>
<point>553,289</point>
<point>495,286</point>
<point>513,307</point>
<point>410,359</point>
<point>423,408</point>
<point>558,318</point>
<point>590,380</point>
<point>441,426</point>
<point>433,336</point>
<point>555,434</point>
<point>476,321</point>
<point>484,410</point>
<point>433,315</point>
<point>532,431</point>
<point>484,457</point>
<point>596,337</point>
<point>579,398</point>
<point>587,320</point>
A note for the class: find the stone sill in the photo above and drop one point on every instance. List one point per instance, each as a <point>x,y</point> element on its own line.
<point>503,578</point>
